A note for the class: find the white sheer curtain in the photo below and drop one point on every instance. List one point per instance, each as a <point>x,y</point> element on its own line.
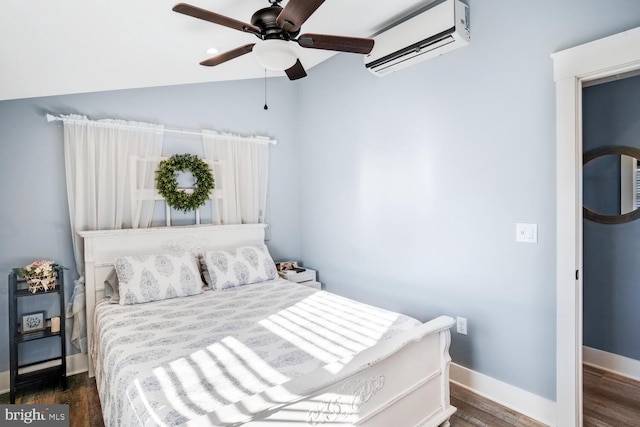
<point>98,157</point>
<point>241,174</point>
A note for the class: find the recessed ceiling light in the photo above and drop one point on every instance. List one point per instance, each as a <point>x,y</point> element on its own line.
<point>212,50</point>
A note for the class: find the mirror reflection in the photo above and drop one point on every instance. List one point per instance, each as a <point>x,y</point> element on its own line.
<point>610,184</point>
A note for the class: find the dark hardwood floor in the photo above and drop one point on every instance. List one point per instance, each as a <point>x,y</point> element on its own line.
<point>610,401</point>
<point>474,410</point>
<point>81,395</point>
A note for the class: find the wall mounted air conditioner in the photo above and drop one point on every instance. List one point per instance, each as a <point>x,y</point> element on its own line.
<point>439,29</point>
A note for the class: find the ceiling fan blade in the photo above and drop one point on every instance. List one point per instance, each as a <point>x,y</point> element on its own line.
<point>226,56</point>
<point>295,13</point>
<point>207,15</point>
<point>339,43</point>
<point>296,72</point>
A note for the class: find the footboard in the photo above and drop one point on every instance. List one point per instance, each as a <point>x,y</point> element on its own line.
<point>403,381</point>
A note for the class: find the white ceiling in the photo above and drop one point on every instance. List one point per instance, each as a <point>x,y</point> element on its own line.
<point>73,46</point>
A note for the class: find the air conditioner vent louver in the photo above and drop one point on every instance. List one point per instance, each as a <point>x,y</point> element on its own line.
<point>438,30</point>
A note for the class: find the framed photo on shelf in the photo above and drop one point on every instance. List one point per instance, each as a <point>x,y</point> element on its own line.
<point>33,322</point>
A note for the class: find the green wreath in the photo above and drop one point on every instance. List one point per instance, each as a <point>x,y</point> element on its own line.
<point>167,184</point>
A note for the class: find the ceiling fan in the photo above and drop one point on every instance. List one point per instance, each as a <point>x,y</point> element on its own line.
<point>277,27</point>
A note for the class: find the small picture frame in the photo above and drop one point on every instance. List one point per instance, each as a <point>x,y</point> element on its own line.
<point>33,322</point>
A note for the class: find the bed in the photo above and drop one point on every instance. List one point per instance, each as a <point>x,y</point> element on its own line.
<point>271,352</point>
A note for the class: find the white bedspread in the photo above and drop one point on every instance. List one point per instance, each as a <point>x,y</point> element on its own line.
<point>166,362</point>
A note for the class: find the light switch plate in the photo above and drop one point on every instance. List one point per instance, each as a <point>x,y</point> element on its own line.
<point>527,233</point>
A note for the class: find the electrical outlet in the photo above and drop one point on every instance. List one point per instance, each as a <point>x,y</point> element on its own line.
<point>461,325</point>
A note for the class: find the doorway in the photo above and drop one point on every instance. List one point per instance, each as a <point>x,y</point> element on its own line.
<point>572,68</point>
<point>611,230</point>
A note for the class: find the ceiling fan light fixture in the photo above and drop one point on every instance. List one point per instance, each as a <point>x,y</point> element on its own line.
<point>275,55</point>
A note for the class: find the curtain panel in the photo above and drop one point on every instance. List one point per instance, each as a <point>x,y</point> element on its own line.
<point>241,173</point>
<point>97,165</point>
<point>98,156</point>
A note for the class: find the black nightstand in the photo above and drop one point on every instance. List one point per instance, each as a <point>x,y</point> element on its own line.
<point>54,369</point>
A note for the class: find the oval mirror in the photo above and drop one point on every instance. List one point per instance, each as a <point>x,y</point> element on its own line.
<point>610,184</point>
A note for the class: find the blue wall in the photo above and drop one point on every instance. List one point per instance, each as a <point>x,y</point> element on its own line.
<point>611,116</point>
<point>412,183</point>
<point>403,191</point>
<point>34,222</point>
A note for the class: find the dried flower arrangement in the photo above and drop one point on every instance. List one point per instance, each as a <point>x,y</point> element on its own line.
<point>39,275</point>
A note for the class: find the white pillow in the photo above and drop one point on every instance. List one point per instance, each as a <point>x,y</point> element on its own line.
<point>146,278</point>
<point>240,266</point>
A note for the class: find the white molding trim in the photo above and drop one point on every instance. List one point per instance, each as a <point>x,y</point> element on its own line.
<point>522,401</point>
<point>617,54</point>
<point>76,364</point>
<point>619,365</point>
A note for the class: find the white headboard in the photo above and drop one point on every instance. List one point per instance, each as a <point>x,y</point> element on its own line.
<point>101,248</point>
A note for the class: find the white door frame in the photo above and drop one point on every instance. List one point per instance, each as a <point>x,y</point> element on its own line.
<point>602,58</point>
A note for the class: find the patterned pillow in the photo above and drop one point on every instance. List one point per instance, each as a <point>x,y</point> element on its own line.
<point>241,266</point>
<point>146,278</point>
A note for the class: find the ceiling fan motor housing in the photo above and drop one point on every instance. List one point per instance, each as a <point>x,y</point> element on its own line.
<point>265,19</point>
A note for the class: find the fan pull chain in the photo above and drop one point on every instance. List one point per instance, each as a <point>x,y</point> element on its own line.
<point>266,107</point>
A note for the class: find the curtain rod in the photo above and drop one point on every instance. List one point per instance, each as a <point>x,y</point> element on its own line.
<point>266,139</point>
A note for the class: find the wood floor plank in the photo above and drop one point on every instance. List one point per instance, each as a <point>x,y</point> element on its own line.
<point>590,421</point>
<point>624,390</point>
<point>479,411</point>
<point>615,413</point>
<point>456,421</point>
<point>81,395</point>
<point>610,400</point>
<point>591,377</point>
<point>525,421</point>
<point>483,404</point>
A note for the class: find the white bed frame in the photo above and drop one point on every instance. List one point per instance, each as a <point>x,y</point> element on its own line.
<point>403,381</point>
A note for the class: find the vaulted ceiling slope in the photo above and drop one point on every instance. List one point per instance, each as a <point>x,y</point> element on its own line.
<point>75,46</point>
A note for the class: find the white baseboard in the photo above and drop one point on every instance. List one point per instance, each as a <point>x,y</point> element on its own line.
<point>610,362</point>
<point>76,364</point>
<point>522,401</point>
